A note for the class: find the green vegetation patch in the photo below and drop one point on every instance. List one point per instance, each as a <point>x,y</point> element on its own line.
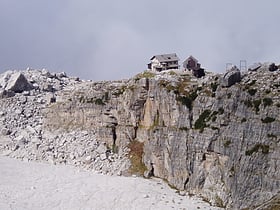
<point>263,147</point>
<point>119,91</point>
<point>267,91</point>
<point>135,154</point>
<point>83,99</point>
<point>257,104</point>
<point>277,85</point>
<point>172,73</point>
<point>267,102</point>
<point>184,128</point>
<point>268,120</point>
<point>252,82</point>
<point>200,123</point>
<point>145,74</point>
<point>205,117</point>
<point>219,202</point>
<point>249,85</point>
<point>214,118</point>
<point>252,92</point>
<point>99,101</point>
<point>243,120</point>
<point>188,99</point>
<point>248,103</point>
<point>227,143</point>
<point>214,86</point>
<point>271,135</point>
<point>215,128</point>
<point>185,100</point>
<point>115,149</point>
<point>221,110</point>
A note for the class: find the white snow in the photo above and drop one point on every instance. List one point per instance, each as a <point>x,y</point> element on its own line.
<point>32,185</point>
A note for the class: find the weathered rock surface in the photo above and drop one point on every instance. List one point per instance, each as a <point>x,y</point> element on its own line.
<point>254,67</point>
<point>200,135</point>
<point>231,77</point>
<point>15,82</point>
<point>23,134</point>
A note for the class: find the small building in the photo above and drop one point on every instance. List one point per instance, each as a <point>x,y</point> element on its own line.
<point>164,62</point>
<point>192,64</point>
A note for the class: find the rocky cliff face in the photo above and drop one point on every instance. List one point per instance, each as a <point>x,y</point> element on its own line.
<point>221,142</point>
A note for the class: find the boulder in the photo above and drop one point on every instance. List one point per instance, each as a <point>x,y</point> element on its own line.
<point>231,77</point>
<point>46,73</point>
<point>21,140</point>
<point>103,157</point>
<point>48,87</point>
<point>61,75</point>
<point>199,73</point>
<point>5,132</point>
<point>6,93</point>
<point>101,149</point>
<point>272,67</point>
<point>254,67</point>
<point>18,83</point>
<point>5,141</point>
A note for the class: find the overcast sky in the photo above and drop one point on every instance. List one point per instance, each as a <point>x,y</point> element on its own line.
<point>104,40</point>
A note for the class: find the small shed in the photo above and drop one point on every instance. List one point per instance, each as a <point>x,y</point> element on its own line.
<point>191,63</point>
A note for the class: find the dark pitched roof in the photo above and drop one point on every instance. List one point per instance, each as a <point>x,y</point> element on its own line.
<point>166,57</point>
<point>191,58</point>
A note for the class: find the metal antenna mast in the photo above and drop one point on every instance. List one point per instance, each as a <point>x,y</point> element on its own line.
<point>243,65</point>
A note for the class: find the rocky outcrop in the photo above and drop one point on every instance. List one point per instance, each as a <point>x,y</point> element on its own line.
<point>200,135</point>
<point>254,67</point>
<point>23,134</point>
<point>14,82</point>
<point>231,77</point>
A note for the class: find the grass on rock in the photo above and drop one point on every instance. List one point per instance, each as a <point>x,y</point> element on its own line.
<point>136,152</point>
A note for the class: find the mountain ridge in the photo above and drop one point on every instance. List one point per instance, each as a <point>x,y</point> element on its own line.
<point>205,136</point>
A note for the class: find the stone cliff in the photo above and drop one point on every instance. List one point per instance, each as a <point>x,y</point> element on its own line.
<point>216,138</point>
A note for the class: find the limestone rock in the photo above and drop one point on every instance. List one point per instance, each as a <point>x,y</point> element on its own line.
<point>254,67</point>
<point>6,93</point>
<point>101,149</point>
<point>5,132</point>
<point>21,140</point>
<point>272,67</point>
<point>18,83</point>
<point>199,136</point>
<point>103,157</point>
<point>231,77</point>
<point>182,192</point>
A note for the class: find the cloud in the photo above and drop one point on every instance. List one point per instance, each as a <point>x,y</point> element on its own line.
<point>114,40</point>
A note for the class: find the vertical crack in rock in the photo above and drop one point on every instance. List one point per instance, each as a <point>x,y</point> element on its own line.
<point>160,110</point>
<point>150,171</point>
<point>147,86</point>
<point>135,132</point>
<point>114,136</point>
<point>186,182</point>
<point>191,118</point>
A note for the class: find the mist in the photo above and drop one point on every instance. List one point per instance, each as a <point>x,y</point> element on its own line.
<point>115,40</point>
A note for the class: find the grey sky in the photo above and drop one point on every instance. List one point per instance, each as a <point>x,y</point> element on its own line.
<point>102,40</point>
